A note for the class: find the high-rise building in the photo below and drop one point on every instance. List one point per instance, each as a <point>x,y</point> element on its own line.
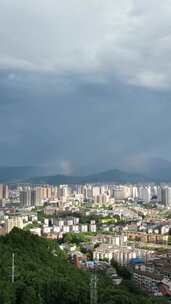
<point>166,196</point>
<point>144,193</point>
<point>14,221</point>
<point>25,197</point>
<point>36,197</point>
<point>119,193</point>
<point>49,192</point>
<point>96,191</point>
<point>55,192</point>
<point>3,191</point>
<point>134,192</point>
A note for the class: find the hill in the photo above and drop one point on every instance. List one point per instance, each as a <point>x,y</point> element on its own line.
<point>44,276</point>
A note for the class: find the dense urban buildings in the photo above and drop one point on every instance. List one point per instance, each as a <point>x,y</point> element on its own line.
<point>98,225</point>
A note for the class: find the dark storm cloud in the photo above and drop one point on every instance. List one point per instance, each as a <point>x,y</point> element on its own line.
<point>78,126</point>
<point>129,38</point>
<point>84,86</point>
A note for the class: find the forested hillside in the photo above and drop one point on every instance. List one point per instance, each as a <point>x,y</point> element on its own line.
<point>44,276</point>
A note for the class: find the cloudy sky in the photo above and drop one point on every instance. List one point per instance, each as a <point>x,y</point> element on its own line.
<point>84,85</point>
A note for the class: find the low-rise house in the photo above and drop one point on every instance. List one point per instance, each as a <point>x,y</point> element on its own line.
<point>84,228</point>
<point>149,278</point>
<point>148,281</point>
<point>36,231</point>
<point>121,254</point>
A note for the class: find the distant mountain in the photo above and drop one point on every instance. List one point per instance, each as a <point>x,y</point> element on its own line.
<point>156,169</point>
<point>103,177</point>
<point>141,170</point>
<point>18,173</point>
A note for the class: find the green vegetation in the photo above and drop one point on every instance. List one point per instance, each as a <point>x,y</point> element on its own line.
<point>166,214</point>
<point>41,216</point>
<point>122,271</point>
<point>75,238</point>
<point>169,240</point>
<point>111,220</point>
<point>44,276</point>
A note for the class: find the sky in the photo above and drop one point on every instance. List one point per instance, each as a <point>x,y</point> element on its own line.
<point>85,86</point>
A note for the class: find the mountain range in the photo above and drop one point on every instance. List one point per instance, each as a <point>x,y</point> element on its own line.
<point>154,170</point>
<point>102,177</point>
